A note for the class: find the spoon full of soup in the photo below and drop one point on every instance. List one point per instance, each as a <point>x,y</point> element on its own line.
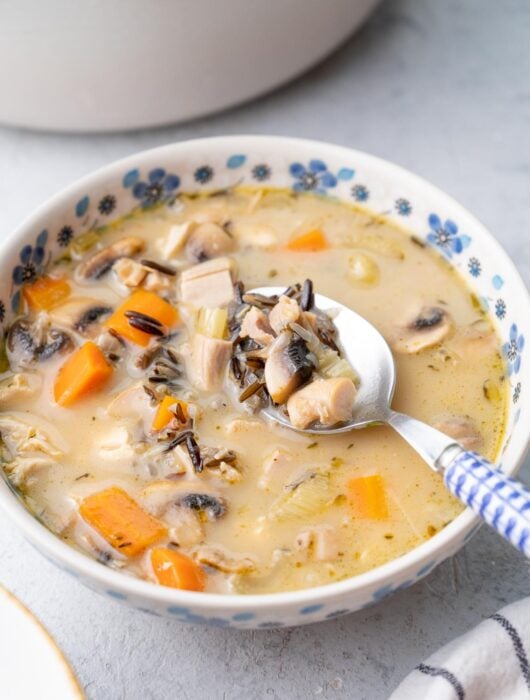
<point>365,399</point>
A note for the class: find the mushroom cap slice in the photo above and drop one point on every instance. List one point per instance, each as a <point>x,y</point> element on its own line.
<point>287,367</point>
<point>82,314</point>
<point>429,327</point>
<point>207,241</point>
<point>158,496</point>
<point>99,263</point>
<point>34,341</point>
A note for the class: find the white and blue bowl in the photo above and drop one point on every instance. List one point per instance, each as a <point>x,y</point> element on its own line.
<point>156,176</point>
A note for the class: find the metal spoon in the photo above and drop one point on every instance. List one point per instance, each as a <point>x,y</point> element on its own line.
<point>502,502</point>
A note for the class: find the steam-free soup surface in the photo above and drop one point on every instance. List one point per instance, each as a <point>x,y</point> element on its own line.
<point>239,505</point>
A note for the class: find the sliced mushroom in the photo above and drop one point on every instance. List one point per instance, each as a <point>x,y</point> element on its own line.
<point>207,241</point>
<point>229,563</point>
<point>256,326</point>
<point>35,341</point>
<point>18,386</point>
<point>328,401</point>
<point>212,506</point>
<point>101,262</point>
<point>428,328</point>
<point>287,367</point>
<point>462,429</point>
<point>80,313</point>
<point>161,495</point>
<point>284,313</point>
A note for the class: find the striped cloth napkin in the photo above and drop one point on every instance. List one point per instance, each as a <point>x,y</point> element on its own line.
<point>488,663</point>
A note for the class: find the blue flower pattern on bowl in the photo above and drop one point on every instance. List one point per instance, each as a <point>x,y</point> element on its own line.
<point>513,349</point>
<point>474,267</point>
<point>403,207</point>
<point>30,266</point>
<point>261,172</point>
<point>315,177</point>
<point>500,308</point>
<point>107,204</point>
<point>445,236</point>
<point>65,235</point>
<point>159,187</point>
<point>360,193</point>
<point>203,174</point>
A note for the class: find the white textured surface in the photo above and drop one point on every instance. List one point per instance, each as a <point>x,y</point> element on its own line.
<point>441,88</point>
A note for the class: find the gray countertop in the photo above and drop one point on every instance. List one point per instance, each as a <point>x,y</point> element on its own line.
<point>442,88</point>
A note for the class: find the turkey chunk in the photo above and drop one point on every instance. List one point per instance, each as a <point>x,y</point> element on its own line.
<point>207,361</point>
<point>256,326</point>
<point>220,559</point>
<point>20,438</point>
<point>285,312</point>
<point>328,401</point>
<point>277,470</point>
<point>19,386</point>
<point>319,541</point>
<point>208,284</point>
<point>174,242</point>
<point>22,470</point>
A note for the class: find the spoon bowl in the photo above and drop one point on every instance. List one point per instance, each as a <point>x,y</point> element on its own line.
<point>369,355</point>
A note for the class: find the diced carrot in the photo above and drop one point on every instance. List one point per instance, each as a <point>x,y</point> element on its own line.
<point>121,521</point>
<point>85,371</point>
<point>367,496</point>
<point>164,413</point>
<point>176,570</point>
<point>145,303</point>
<point>45,293</point>
<point>310,242</point>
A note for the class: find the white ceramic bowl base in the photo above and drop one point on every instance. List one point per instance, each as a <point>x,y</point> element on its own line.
<point>209,164</point>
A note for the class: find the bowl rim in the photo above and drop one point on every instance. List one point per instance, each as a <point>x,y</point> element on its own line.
<point>113,580</point>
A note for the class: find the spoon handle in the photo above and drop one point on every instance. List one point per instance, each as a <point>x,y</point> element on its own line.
<point>501,502</point>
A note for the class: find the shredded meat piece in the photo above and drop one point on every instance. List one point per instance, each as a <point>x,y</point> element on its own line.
<point>256,326</point>
<point>218,558</point>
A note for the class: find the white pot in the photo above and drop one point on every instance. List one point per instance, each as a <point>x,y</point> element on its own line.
<point>97,65</point>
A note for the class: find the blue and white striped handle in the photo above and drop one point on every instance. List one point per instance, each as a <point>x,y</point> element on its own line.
<point>501,502</point>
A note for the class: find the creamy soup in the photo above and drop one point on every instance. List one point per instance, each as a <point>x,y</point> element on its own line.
<point>138,367</point>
